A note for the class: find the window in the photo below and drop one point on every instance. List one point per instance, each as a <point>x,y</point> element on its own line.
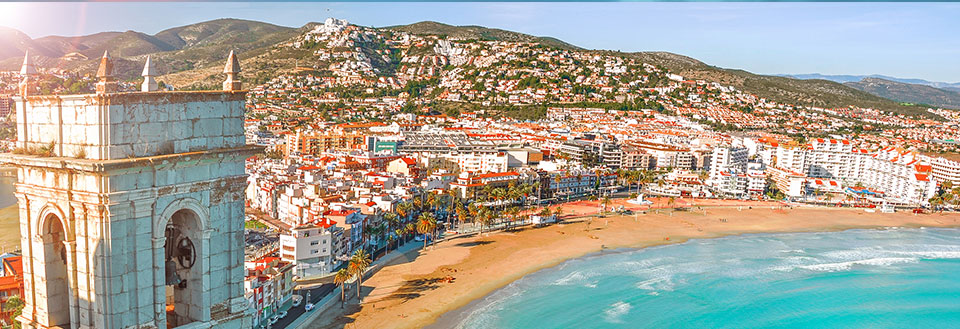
<point>314,251</point>
<point>314,243</point>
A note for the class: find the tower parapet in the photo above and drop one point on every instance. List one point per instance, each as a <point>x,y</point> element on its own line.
<point>27,73</point>
<point>106,83</point>
<point>132,214</point>
<point>232,69</point>
<point>149,83</point>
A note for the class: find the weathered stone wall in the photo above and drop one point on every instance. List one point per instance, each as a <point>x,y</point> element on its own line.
<point>156,154</point>
<point>127,125</point>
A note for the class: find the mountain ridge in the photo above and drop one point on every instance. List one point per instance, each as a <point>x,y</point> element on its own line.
<point>178,48</point>
<point>908,92</point>
<point>841,78</point>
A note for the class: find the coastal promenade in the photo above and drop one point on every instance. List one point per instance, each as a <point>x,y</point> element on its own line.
<point>415,292</point>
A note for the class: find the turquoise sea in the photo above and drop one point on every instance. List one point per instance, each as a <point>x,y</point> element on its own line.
<point>891,278</point>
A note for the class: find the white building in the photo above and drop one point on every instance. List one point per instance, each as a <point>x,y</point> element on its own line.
<point>945,170</point>
<point>902,176</point>
<point>727,159</point>
<point>315,249</point>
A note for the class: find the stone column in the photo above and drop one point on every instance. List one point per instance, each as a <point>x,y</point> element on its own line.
<point>26,244</point>
<point>73,294</point>
<point>159,282</point>
<point>205,266</point>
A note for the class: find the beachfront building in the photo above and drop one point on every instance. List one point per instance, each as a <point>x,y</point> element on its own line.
<point>945,170</point>
<point>789,182</point>
<point>315,248</point>
<point>268,287</point>
<point>901,176</point>
<point>728,169</point>
<point>470,184</point>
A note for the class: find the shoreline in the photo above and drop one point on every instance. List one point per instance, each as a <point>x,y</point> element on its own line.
<point>454,317</point>
<point>489,263</point>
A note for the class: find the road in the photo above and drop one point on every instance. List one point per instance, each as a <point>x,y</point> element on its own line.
<point>293,313</point>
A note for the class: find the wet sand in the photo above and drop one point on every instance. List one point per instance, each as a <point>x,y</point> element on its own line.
<point>415,291</point>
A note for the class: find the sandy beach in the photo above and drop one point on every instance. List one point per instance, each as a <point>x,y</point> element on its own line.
<point>415,290</point>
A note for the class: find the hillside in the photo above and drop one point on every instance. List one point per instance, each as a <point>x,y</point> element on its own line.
<point>477,32</point>
<point>819,93</point>
<point>909,93</point>
<point>192,55</point>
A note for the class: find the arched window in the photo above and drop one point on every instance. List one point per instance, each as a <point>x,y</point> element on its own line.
<point>183,274</point>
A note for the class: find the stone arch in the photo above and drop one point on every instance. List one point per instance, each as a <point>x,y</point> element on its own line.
<point>45,216</point>
<point>52,258</point>
<point>203,215</point>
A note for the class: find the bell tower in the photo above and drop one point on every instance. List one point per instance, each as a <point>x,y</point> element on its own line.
<point>131,205</point>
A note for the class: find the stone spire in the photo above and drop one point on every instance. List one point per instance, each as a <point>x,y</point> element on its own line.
<point>149,84</point>
<point>106,84</point>
<point>27,72</point>
<point>232,69</point>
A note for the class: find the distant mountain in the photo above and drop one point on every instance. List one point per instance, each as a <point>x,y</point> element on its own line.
<point>854,78</point>
<point>477,32</point>
<point>908,92</point>
<point>67,45</point>
<point>176,49</point>
<point>15,42</point>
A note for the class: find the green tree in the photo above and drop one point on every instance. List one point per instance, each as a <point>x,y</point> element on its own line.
<point>359,263</point>
<point>426,224</point>
<point>340,279</point>
<point>14,305</point>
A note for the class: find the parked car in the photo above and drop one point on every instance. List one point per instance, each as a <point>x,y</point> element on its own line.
<point>274,319</point>
<point>282,314</point>
<point>297,300</point>
<point>421,237</point>
<point>308,307</point>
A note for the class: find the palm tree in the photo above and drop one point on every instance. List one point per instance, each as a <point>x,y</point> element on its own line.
<point>411,227</point>
<point>359,263</point>
<point>605,202</point>
<point>426,224</point>
<point>936,203</point>
<point>340,279</point>
<point>513,212</point>
<point>418,204</point>
<point>484,216</point>
<point>539,187</point>
<point>558,211</point>
<point>461,216</point>
<point>400,233</point>
<point>404,209</point>
<point>392,221</point>
<point>558,179</point>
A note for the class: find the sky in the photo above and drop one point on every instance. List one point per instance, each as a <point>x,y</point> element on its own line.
<point>907,40</point>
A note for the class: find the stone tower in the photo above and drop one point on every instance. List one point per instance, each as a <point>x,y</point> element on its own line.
<point>131,207</point>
